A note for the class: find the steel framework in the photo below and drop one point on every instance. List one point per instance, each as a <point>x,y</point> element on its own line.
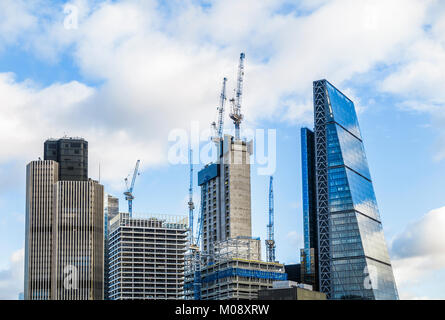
<point>322,190</point>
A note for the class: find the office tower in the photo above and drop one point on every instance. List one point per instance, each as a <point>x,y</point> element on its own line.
<point>146,257</point>
<point>353,260</point>
<point>225,194</point>
<point>40,179</point>
<point>72,156</point>
<point>64,229</point>
<point>111,209</point>
<point>309,255</point>
<point>78,240</point>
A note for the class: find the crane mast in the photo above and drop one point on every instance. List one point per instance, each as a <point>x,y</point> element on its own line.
<point>236,115</point>
<point>270,242</point>
<point>218,128</point>
<point>191,205</point>
<point>129,193</point>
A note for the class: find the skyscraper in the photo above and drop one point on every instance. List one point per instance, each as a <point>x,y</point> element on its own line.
<point>353,260</point>
<point>64,227</point>
<point>309,255</point>
<point>41,177</point>
<point>72,156</point>
<point>78,241</point>
<point>225,194</point>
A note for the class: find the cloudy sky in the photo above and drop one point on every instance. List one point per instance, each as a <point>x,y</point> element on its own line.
<point>126,74</point>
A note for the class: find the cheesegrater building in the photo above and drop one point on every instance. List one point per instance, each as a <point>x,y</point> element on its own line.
<point>345,254</point>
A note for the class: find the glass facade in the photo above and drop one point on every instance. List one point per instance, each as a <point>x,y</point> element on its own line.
<point>309,255</point>
<point>353,257</point>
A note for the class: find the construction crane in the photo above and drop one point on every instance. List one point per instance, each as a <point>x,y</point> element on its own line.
<point>270,242</point>
<point>190,203</point>
<point>195,253</point>
<point>129,193</point>
<point>218,129</point>
<point>235,114</point>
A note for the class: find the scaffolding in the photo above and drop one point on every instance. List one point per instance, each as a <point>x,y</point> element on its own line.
<point>233,272</point>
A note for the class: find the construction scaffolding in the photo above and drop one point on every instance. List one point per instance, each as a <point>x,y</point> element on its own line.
<point>235,272</point>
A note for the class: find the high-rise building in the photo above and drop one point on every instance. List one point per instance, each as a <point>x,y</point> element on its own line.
<point>78,240</point>
<point>146,257</point>
<point>309,255</point>
<point>353,260</point>
<point>72,156</point>
<point>64,227</point>
<point>226,194</point>
<point>111,209</point>
<point>41,176</point>
<point>231,266</point>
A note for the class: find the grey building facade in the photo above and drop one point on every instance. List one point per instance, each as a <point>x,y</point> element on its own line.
<point>78,241</point>
<point>147,257</point>
<point>226,194</point>
<point>64,236</point>
<point>41,176</point>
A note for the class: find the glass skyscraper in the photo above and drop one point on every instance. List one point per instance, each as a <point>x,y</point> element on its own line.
<point>343,234</point>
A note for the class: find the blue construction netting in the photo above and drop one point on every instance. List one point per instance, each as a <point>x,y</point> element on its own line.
<point>232,272</point>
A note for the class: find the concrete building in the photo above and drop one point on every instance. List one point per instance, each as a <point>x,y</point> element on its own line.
<point>72,156</point>
<point>290,290</point>
<point>77,237</point>
<point>64,234</point>
<point>41,177</point>
<point>226,194</point>
<point>231,266</point>
<point>146,257</point>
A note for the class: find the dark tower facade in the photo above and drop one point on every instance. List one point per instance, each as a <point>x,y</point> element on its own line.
<point>309,255</point>
<point>72,156</point>
<point>338,197</point>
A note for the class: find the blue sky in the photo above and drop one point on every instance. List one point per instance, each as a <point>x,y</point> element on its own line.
<point>129,73</point>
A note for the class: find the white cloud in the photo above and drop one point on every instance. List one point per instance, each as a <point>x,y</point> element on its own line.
<point>11,278</point>
<point>161,68</point>
<point>419,251</point>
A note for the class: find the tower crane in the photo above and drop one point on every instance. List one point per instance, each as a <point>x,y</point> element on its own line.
<point>235,114</point>
<point>190,203</point>
<point>194,240</point>
<point>218,128</point>
<point>270,242</point>
<point>129,193</point>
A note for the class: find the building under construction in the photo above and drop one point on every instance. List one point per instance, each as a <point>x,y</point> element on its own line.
<point>146,257</point>
<point>235,273</point>
<point>227,265</point>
